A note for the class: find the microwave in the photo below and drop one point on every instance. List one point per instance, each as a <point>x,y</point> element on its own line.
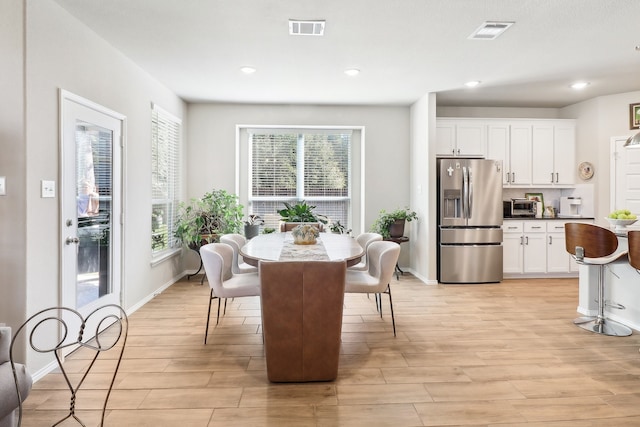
<point>519,208</point>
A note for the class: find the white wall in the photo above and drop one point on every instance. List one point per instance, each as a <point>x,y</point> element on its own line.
<point>598,120</point>
<point>423,194</point>
<point>12,166</point>
<point>211,150</point>
<point>63,53</point>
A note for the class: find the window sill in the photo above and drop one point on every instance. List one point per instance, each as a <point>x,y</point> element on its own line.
<point>160,258</point>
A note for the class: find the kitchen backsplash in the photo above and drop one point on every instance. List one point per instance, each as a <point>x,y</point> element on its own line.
<point>552,196</point>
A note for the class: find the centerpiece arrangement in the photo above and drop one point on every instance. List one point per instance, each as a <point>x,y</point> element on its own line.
<point>305,234</point>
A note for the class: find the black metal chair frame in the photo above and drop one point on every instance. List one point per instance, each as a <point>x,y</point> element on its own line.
<point>113,316</point>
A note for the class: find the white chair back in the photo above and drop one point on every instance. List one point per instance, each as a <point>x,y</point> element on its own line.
<point>364,240</point>
<point>217,259</point>
<point>236,241</point>
<point>382,258</point>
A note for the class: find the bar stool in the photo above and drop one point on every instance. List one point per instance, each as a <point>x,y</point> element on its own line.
<point>634,249</point>
<point>590,244</point>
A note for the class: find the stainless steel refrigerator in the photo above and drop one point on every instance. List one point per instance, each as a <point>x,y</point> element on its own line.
<point>469,220</point>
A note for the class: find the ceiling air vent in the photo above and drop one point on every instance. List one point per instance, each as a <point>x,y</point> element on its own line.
<point>306,28</point>
<point>490,30</point>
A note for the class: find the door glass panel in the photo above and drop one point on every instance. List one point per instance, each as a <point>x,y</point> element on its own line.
<point>94,215</point>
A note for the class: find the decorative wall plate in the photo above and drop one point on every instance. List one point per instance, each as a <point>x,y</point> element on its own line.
<point>585,169</point>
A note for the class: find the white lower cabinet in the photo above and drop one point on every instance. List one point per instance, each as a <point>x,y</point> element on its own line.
<point>512,248</point>
<point>558,259</point>
<point>537,248</point>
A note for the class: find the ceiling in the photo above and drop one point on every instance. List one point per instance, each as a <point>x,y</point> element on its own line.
<point>404,49</point>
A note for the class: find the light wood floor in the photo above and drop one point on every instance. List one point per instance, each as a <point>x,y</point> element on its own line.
<point>475,355</point>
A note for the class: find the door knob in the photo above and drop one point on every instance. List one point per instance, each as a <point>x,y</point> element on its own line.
<point>71,240</point>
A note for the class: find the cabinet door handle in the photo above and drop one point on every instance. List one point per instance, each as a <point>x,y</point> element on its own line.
<point>552,177</point>
<point>458,151</point>
<point>453,151</point>
<point>557,177</point>
<point>508,177</point>
<point>536,226</point>
<point>527,240</point>
<point>550,237</point>
<point>521,241</point>
<point>513,177</point>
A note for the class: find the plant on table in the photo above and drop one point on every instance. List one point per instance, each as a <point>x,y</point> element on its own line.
<point>338,228</point>
<point>385,220</point>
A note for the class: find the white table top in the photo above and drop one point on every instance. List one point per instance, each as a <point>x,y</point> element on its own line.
<point>280,247</point>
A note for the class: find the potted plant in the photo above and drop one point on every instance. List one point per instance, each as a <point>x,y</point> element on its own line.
<point>391,224</point>
<point>202,221</point>
<point>252,226</point>
<point>301,212</point>
<point>338,228</point>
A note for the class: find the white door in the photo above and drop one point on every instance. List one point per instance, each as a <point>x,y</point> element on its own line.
<point>625,176</point>
<point>91,194</point>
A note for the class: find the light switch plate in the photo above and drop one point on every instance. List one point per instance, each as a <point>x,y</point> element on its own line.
<point>3,186</point>
<point>48,189</point>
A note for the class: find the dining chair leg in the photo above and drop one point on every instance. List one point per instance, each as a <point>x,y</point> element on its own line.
<point>206,331</point>
<point>224,312</point>
<point>218,319</point>
<point>393,319</point>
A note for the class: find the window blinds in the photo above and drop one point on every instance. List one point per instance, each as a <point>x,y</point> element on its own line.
<point>300,164</point>
<point>165,178</point>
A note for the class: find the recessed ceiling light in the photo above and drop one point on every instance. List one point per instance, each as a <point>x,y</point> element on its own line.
<point>579,85</point>
<point>352,72</point>
<point>472,83</point>
<point>248,70</point>
<point>490,30</point>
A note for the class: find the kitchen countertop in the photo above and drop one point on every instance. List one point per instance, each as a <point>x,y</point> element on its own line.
<point>567,218</point>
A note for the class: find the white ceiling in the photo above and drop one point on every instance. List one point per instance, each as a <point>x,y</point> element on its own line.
<point>405,49</point>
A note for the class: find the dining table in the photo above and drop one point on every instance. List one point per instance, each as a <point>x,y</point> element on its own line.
<point>280,247</point>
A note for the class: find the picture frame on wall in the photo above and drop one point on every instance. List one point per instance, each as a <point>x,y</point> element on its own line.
<point>634,116</point>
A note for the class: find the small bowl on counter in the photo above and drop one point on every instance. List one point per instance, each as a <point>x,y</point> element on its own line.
<point>620,225</point>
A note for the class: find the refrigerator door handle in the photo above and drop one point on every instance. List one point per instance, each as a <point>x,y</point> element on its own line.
<point>470,191</point>
<point>465,192</point>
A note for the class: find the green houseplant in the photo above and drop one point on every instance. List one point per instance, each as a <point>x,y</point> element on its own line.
<point>252,226</point>
<point>203,220</point>
<point>300,212</point>
<point>391,224</point>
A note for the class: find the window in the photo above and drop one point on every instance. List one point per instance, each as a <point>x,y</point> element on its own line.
<point>292,165</point>
<point>165,180</point>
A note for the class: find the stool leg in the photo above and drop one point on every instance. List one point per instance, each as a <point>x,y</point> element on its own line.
<point>599,324</point>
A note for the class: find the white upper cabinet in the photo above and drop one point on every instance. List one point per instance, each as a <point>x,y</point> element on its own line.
<point>533,152</point>
<point>511,143</point>
<point>553,153</point>
<point>564,153</point>
<point>460,138</point>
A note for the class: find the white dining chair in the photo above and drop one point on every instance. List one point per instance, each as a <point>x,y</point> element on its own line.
<point>217,259</point>
<point>364,240</point>
<point>382,258</point>
<point>236,241</point>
